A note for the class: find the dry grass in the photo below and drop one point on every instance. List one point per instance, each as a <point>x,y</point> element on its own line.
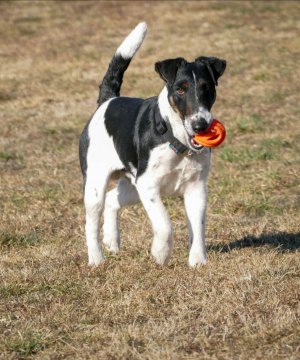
<point>245,303</point>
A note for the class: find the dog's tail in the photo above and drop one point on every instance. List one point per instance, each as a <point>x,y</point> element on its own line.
<point>112,81</point>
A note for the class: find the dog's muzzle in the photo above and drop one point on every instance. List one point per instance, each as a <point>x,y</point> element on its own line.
<point>196,123</point>
<point>199,125</point>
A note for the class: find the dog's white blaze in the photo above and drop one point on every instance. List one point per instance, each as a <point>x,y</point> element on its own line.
<point>201,113</point>
<point>132,169</point>
<point>133,41</point>
<point>195,83</point>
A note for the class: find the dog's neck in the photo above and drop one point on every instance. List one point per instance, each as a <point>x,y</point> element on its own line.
<point>168,114</point>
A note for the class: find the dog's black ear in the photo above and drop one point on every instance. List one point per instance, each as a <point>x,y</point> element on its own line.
<point>216,66</point>
<point>167,69</point>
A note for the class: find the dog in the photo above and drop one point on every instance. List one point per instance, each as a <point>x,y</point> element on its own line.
<point>147,144</point>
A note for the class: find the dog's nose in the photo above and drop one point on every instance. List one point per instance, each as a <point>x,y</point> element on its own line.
<point>199,125</point>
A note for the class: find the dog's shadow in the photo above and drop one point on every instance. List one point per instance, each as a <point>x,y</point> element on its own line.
<point>282,241</point>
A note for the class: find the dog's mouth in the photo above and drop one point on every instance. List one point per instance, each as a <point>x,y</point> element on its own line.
<point>190,138</point>
<point>194,144</point>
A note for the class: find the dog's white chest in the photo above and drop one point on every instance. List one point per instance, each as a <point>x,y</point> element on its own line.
<point>173,173</point>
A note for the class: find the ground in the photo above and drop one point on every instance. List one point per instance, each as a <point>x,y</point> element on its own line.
<point>244,304</point>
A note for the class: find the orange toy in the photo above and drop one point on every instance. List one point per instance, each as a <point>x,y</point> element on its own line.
<point>213,136</point>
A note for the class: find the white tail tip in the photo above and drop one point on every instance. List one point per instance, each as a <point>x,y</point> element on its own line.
<point>133,41</point>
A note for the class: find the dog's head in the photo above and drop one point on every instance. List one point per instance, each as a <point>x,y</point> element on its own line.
<point>191,90</point>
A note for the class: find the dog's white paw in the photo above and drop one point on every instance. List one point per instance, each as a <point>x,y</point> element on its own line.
<point>112,248</point>
<point>161,254</point>
<point>196,260</point>
<point>111,244</point>
<point>96,258</point>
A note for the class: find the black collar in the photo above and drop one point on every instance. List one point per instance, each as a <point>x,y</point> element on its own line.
<point>164,129</point>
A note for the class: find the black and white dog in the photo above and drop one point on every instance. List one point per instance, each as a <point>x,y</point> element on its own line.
<point>148,144</point>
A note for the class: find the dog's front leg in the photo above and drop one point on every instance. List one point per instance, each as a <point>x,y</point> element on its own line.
<point>195,199</point>
<point>162,229</point>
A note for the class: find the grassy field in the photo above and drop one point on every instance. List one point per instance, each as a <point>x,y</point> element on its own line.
<point>244,304</point>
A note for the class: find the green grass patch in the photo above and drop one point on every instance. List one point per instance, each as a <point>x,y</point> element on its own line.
<point>12,290</point>
<point>12,160</point>
<point>49,288</point>
<point>60,131</point>
<point>57,289</point>
<point>276,143</point>
<point>14,239</point>
<point>246,155</point>
<point>254,202</point>
<point>51,193</point>
<point>252,124</point>
<point>19,200</point>
<point>28,19</point>
<point>8,155</point>
<point>267,149</point>
<point>60,138</point>
<point>262,76</point>
<point>27,344</point>
<point>259,204</point>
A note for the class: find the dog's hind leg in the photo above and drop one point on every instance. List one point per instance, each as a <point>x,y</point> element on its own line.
<point>94,196</point>
<point>124,194</point>
<point>99,160</point>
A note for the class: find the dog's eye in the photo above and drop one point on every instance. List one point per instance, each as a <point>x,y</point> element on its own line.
<point>206,87</point>
<point>180,91</point>
<point>182,88</point>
